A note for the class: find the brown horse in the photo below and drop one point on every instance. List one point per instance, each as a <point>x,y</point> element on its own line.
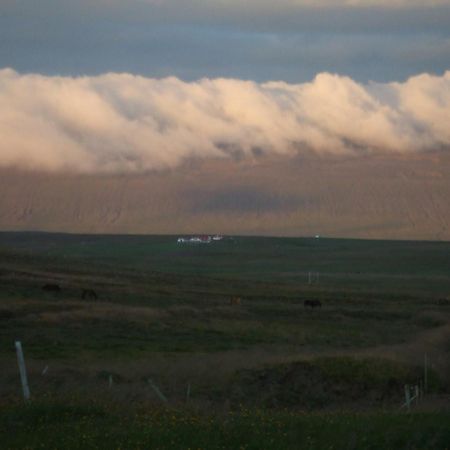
<point>235,301</point>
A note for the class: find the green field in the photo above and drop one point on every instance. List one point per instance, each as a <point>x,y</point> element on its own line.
<point>50,425</point>
<point>164,318</point>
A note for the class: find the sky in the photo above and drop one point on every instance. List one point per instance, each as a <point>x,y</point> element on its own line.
<point>258,40</point>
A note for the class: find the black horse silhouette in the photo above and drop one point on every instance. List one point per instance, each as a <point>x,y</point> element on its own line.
<point>312,304</point>
<point>51,287</point>
<point>89,294</point>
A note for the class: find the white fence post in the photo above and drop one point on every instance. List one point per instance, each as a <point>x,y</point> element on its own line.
<point>407,397</point>
<point>155,388</point>
<point>22,370</point>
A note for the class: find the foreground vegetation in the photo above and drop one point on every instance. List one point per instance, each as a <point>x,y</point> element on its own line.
<point>53,425</point>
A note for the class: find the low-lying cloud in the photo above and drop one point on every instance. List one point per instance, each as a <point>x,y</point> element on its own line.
<point>126,123</point>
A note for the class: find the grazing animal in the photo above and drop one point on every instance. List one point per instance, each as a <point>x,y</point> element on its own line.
<point>443,302</point>
<point>6,314</point>
<point>51,288</point>
<point>89,294</point>
<point>312,304</point>
<point>234,301</point>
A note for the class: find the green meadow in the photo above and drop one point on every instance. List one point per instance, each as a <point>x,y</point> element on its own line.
<point>164,359</point>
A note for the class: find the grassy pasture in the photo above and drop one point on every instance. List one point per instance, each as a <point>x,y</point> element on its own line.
<point>164,314</point>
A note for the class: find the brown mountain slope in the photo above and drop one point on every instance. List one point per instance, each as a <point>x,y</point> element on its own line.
<point>376,197</point>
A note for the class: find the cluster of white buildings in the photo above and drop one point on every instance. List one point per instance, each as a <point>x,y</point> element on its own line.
<point>205,239</point>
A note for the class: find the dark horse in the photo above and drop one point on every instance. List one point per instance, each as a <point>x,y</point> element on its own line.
<point>51,288</point>
<point>89,294</point>
<point>312,304</point>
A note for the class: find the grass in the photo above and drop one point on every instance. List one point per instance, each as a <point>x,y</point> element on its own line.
<point>53,425</point>
<point>327,382</point>
<point>338,260</point>
<point>164,313</point>
<point>65,330</point>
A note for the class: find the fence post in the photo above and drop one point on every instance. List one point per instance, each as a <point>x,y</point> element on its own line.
<point>425,381</point>
<point>407,397</point>
<point>188,392</point>
<point>22,370</point>
<point>161,396</point>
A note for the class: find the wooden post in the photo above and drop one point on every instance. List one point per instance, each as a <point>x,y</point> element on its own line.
<point>23,371</point>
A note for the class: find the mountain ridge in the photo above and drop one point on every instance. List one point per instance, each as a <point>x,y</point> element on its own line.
<point>392,197</point>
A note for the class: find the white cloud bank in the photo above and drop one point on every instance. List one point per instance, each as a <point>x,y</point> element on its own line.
<point>121,122</point>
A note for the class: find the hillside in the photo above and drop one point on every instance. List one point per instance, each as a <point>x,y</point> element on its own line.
<point>372,197</point>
